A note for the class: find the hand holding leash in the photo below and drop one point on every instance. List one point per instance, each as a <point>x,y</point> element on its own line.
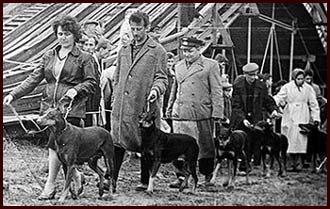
<point>8,99</point>
<point>152,96</point>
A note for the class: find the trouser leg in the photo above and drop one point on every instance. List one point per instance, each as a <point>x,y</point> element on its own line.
<point>118,160</point>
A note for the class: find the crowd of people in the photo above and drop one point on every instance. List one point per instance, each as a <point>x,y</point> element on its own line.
<point>190,93</point>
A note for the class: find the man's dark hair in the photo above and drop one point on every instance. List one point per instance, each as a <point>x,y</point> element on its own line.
<point>309,72</point>
<point>138,17</point>
<point>103,44</point>
<point>70,24</point>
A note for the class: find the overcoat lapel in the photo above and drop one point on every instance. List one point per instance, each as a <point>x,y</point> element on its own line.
<point>194,68</point>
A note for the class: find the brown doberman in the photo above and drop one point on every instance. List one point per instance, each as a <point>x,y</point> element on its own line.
<point>75,145</point>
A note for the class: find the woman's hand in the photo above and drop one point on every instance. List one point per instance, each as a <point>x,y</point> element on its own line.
<point>71,93</point>
<point>8,99</point>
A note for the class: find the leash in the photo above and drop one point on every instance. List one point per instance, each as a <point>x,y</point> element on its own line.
<point>23,158</point>
<point>68,109</point>
<point>22,125</point>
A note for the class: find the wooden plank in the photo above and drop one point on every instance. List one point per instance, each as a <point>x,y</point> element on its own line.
<point>32,30</point>
<point>44,39</point>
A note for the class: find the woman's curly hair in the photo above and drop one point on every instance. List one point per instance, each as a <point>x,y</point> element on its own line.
<point>70,24</point>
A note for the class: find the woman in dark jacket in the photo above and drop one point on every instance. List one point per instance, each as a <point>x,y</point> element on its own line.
<point>70,75</point>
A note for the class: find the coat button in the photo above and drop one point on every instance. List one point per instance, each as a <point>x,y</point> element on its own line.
<point>193,94</point>
<point>129,76</point>
<point>126,93</point>
<point>180,92</point>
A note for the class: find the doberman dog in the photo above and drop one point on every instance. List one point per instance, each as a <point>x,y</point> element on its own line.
<point>75,145</point>
<point>274,145</point>
<point>230,145</point>
<point>160,148</point>
<point>316,144</point>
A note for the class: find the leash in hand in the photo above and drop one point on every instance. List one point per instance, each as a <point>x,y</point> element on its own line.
<point>39,130</point>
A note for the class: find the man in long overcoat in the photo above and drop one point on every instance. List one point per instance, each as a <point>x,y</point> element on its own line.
<point>249,97</point>
<point>196,99</point>
<point>140,76</point>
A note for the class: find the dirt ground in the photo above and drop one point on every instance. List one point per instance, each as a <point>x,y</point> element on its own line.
<point>25,171</point>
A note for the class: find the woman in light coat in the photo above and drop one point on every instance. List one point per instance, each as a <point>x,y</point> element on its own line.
<point>300,107</point>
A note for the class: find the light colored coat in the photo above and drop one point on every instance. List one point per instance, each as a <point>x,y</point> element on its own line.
<point>133,81</point>
<point>197,91</point>
<point>300,107</point>
<point>196,97</point>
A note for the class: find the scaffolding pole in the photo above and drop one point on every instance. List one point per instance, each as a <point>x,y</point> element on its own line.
<point>291,52</point>
<point>249,41</point>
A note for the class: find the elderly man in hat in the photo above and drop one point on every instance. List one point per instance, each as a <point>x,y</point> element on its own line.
<point>249,97</point>
<point>196,99</point>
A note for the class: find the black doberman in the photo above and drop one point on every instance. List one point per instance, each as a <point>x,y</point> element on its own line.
<point>230,145</point>
<point>75,145</point>
<point>316,144</point>
<point>273,144</point>
<point>160,148</point>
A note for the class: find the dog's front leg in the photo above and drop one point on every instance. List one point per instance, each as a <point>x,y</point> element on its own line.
<point>68,179</point>
<point>215,172</point>
<point>228,181</point>
<point>154,169</point>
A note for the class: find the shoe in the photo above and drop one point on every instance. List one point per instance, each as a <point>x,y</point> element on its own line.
<point>106,185</point>
<point>44,196</point>
<point>208,180</point>
<point>176,184</point>
<point>81,179</point>
<point>141,187</point>
<point>306,165</point>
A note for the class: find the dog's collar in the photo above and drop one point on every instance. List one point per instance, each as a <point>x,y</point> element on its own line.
<point>66,127</point>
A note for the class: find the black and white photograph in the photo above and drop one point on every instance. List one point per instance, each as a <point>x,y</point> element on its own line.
<point>164,104</point>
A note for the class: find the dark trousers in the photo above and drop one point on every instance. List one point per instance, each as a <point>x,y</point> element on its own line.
<point>252,147</point>
<point>206,166</point>
<point>119,156</point>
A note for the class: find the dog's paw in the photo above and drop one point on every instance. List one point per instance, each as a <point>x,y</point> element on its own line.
<point>101,192</point>
<point>225,184</point>
<point>150,193</point>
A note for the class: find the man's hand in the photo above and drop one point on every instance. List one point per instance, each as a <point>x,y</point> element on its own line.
<point>71,93</point>
<point>153,96</point>
<point>246,123</point>
<point>274,114</point>
<point>8,99</point>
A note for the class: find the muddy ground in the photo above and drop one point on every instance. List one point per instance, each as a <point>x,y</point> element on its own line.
<point>25,171</point>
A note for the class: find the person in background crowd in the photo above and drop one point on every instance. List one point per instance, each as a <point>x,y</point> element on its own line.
<point>267,78</point>
<point>309,80</point>
<point>102,52</point>
<point>81,42</point>
<point>155,33</point>
<point>90,44</point>
<point>125,34</point>
<point>227,90</point>
<point>277,87</point>
<point>140,77</point>
<point>249,97</point>
<point>93,28</point>
<point>301,106</point>
<point>222,61</point>
<point>196,100</point>
<point>93,102</point>
<point>171,78</point>
<point>75,75</point>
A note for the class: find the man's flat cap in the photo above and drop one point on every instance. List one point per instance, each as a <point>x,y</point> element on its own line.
<point>250,67</point>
